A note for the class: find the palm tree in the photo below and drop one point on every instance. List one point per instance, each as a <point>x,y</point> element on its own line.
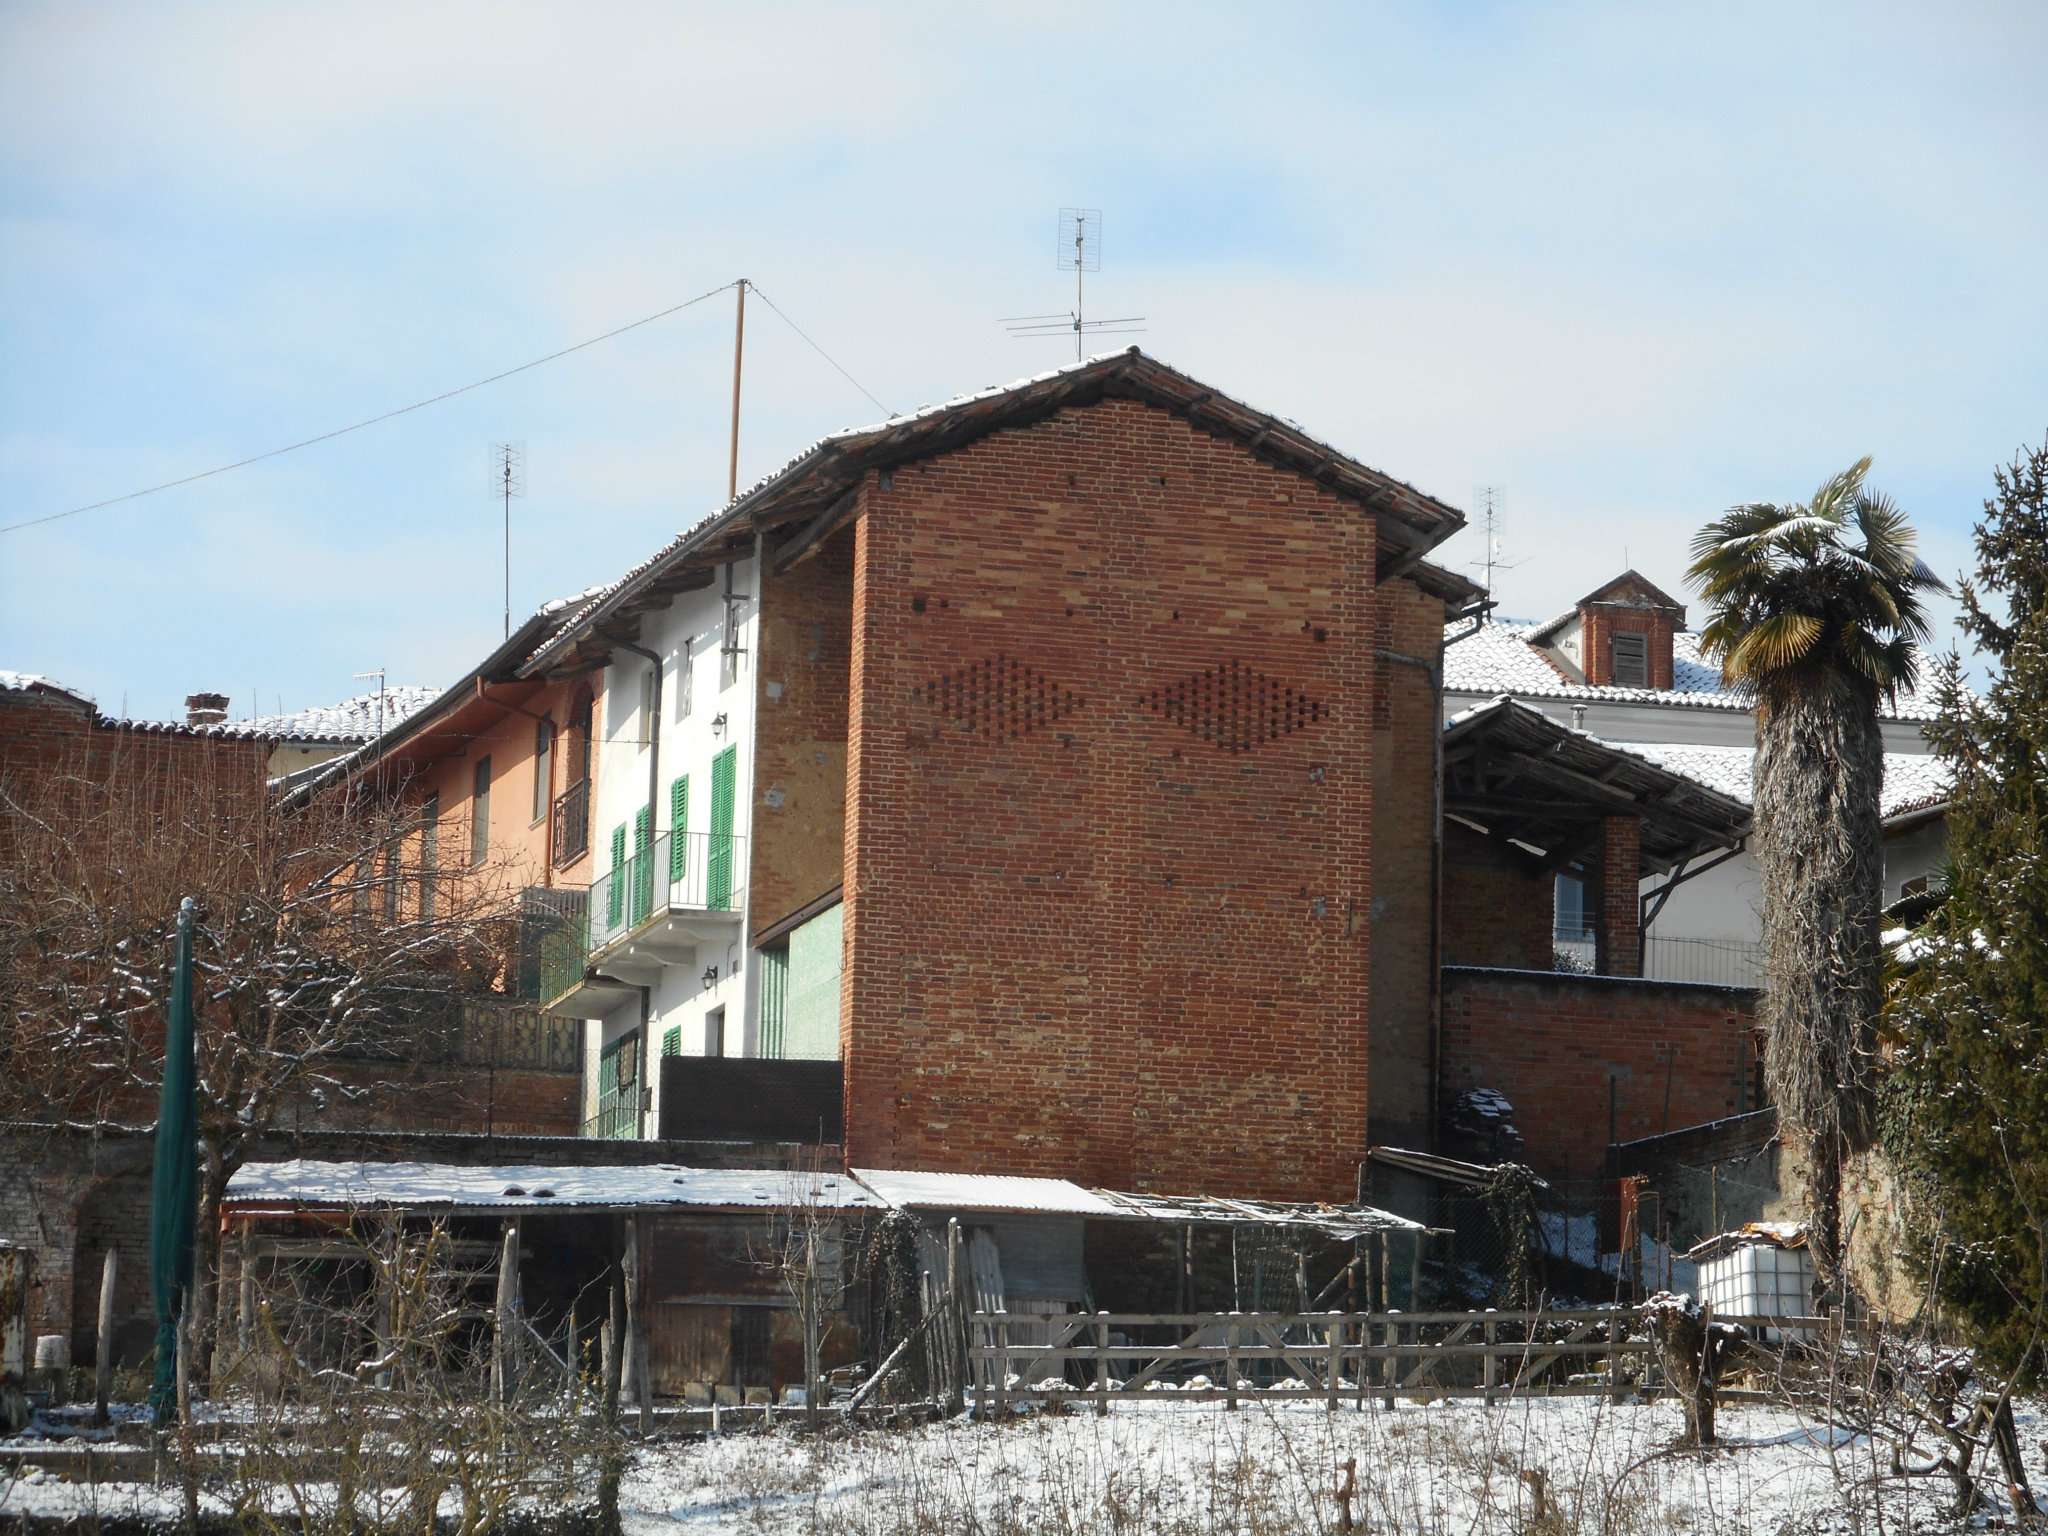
<point>1816,613</point>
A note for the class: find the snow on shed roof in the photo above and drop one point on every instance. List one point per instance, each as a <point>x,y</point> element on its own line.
<point>348,722</point>
<point>910,1190</point>
<point>300,1183</point>
<point>1504,658</point>
<point>35,682</point>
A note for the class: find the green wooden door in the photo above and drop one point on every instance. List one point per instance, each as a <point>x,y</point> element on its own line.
<point>718,875</point>
<point>643,865</point>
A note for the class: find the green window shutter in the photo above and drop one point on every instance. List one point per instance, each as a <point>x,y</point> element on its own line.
<point>678,829</point>
<point>643,864</point>
<point>672,1041</point>
<point>718,874</point>
<point>615,893</point>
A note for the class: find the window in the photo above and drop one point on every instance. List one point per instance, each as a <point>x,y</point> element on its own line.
<point>1570,902</point>
<point>480,813</point>
<point>729,643</point>
<point>685,683</point>
<point>672,1040</point>
<point>714,1032</point>
<point>647,723</point>
<point>390,886</point>
<point>543,766</point>
<point>1631,661</point>
<point>581,718</point>
<point>430,852</point>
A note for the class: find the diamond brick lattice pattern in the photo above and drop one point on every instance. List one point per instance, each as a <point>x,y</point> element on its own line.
<point>999,696</point>
<point>1235,706</point>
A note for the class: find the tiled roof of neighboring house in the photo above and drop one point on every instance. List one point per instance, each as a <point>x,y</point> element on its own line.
<point>814,480</point>
<point>1500,658</point>
<point>1913,781</point>
<point>348,723</point>
<point>34,682</point>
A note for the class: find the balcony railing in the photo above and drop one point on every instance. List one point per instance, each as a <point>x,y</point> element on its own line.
<point>571,828</point>
<point>693,872</point>
<point>492,1032</point>
<point>1719,962</point>
<point>557,939</point>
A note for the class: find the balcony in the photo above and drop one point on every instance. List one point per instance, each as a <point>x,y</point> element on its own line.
<point>1718,962</point>
<point>570,829</point>
<point>651,912</point>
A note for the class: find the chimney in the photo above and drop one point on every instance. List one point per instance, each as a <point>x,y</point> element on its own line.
<point>205,708</point>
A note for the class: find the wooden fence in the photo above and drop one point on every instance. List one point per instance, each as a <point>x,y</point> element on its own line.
<point>1331,1357</point>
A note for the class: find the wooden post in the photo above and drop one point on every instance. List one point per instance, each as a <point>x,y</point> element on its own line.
<point>1336,1359</point>
<point>501,1344</point>
<point>636,1330</point>
<point>245,1275</point>
<point>1492,1372</point>
<point>1101,1363</point>
<point>103,1361</point>
<point>1415,1271</point>
<point>1184,1290</point>
<point>1389,1366</point>
<point>1617,1333</point>
<point>957,1288</point>
<point>1230,1339</point>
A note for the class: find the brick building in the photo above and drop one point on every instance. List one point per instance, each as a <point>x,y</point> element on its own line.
<point>1100,717</point>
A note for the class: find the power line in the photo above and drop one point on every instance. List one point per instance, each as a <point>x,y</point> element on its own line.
<point>856,383</point>
<point>417,405</point>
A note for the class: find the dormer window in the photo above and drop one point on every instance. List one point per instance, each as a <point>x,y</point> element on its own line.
<point>1631,661</point>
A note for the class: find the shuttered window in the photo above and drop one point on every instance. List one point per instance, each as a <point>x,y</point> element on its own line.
<point>480,812</point>
<point>678,829</point>
<point>643,864</point>
<point>615,893</point>
<point>718,876</point>
<point>543,765</point>
<point>1631,661</point>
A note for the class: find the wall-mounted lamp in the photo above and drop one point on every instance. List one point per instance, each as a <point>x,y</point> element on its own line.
<point>710,975</point>
<point>718,724</point>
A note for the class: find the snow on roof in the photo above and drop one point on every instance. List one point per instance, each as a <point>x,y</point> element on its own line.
<point>1912,780</point>
<point>1503,658</point>
<point>910,1191</point>
<point>349,722</point>
<point>347,1186</point>
<point>35,682</point>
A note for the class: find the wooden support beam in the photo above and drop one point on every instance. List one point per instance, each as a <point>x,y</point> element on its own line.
<point>816,531</point>
<point>636,1327</point>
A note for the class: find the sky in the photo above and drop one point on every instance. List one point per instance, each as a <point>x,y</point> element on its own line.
<point>1630,265</point>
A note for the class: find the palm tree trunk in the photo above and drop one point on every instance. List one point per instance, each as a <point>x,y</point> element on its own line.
<point>1819,850</point>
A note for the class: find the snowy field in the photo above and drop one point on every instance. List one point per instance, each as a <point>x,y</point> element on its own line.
<point>1537,1467</point>
<point>1273,1470</point>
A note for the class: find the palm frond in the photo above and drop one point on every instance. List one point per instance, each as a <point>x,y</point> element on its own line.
<point>1773,644</point>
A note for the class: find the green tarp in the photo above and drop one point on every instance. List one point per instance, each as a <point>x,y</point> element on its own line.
<point>174,1193</point>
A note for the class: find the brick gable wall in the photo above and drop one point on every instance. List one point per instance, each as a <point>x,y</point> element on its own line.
<point>1082,937</point>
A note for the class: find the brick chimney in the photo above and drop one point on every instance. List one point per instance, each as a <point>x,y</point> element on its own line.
<point>205,708</point>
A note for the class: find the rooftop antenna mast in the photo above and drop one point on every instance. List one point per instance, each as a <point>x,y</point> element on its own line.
<point>1077,250</point>
<point>508,479</point>
<point>379,675</point>
<point>1490,498</point>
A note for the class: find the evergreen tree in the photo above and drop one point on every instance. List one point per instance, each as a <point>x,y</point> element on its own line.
<point>1966,1099</point>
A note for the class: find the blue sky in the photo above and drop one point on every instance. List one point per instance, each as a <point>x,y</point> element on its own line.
<point>1631,264</point>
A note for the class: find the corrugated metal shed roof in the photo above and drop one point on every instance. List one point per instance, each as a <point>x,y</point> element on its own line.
<point>305,1183</point>
<point>909,1190</point>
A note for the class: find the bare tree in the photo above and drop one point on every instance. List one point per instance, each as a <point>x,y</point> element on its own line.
<point>330,943</point>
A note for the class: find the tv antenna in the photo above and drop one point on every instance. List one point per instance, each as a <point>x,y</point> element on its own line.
<point>508,479</point>
<point>1490,498</point>
<point>1078,249</point>
<point>381,690</point>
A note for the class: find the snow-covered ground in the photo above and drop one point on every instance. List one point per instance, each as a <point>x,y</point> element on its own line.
<point>1267,1470</point>
<point>1273,1470</point>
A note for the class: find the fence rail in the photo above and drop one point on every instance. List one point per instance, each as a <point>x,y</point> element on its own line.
<point>1332,1357</point>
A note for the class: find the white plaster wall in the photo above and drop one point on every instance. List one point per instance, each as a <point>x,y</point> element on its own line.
<point>686,635</point>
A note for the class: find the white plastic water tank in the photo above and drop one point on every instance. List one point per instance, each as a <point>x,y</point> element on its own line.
<point>1760,1279</point>
<point>53,1352</point>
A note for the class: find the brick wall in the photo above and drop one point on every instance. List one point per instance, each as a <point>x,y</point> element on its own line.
<point>1617,924</point>
<point>1675,1053</point>
<point>1405,724</point>
<point>799,831</point>
<point>1081,938</point>
<point>1498,907</point>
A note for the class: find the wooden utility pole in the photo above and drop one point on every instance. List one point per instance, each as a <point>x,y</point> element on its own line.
<point>739,343</point>
<point>103,1361</point>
